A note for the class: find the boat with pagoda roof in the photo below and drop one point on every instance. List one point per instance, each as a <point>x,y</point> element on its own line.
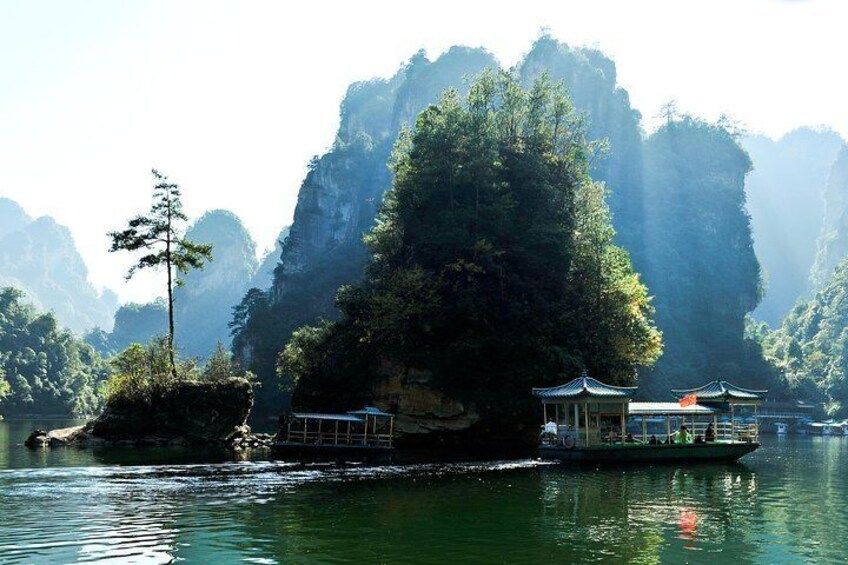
<point>586,420</point>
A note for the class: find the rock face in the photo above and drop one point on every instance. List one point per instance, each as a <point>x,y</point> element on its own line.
<point>193,413</point>
<point>422,410</point>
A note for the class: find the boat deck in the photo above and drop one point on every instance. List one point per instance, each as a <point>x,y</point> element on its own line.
<point>642,453</point>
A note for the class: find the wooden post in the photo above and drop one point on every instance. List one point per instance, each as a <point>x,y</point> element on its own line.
<point>556,414</point>
<point>288,431</point>
<point>667,428</point>
<point>348,432</point>
<point>319,430</point>
<point>586,420</point>
<point>305,424</point>
<point>544,413</point>
<point>336,436</point>
<point>365,437</point>
<point>576,422</point>
<point>732,423</point>
<point>391,430</point>
<point>623,424</point>
<point>644,430</point>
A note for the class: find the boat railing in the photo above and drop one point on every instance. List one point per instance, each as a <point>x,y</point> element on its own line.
<point>737,431</point>
<point>340,438</point>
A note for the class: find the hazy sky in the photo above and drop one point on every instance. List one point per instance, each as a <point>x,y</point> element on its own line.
<point>231,99</point>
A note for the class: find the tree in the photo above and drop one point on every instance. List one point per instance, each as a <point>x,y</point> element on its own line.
<point>161,235</point>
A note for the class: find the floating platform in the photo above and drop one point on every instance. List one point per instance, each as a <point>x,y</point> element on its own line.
<point>639,453</point>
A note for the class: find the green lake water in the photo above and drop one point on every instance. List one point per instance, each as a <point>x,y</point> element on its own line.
<point>786,503</point>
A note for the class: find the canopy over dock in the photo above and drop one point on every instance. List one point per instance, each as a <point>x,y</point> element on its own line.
<point>368,427</point>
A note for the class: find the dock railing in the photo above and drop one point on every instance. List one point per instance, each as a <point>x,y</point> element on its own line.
<point>340,438</point>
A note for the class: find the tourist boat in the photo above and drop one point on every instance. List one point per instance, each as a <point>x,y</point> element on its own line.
<point>781,428</point>
<point>587,421</point>
<point>828,428</point>
<point>366,431</point>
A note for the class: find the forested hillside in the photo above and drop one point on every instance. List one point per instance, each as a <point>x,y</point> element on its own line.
<point>47,369</point>
<point>40,258</point>
<point>493,270</point>
<point>340,196</point>
<point>811,346</point>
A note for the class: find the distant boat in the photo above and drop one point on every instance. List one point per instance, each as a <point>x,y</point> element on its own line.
<point>781,428</point>
<point>586,421</point>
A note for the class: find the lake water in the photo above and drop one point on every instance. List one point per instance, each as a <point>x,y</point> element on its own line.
<point>786,503</point>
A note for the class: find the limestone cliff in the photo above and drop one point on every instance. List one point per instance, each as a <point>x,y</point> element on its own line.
<point>40,258</point>
<point>833,241</point>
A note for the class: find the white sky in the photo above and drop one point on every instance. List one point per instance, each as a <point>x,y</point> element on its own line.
<point>231,99</point>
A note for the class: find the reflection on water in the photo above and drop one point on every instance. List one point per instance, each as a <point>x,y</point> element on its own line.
<point>785,504</point>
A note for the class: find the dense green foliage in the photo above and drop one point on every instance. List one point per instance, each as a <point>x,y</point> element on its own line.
<point>591,79</point>
<point>159,236</point>
<point>699,258</point>
<point>786,199</point>
<point>40,258</point>
<point>493,267</point>
<point>46,369</point>
<point>143,375</point>
<point>811,346</point>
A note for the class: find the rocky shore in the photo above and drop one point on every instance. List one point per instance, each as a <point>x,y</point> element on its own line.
<point>192,414</point>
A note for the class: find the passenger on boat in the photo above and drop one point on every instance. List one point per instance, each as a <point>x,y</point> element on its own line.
<point>683,435</point>
<point>709,433</point>
<point>549,433</point>
<point>653,440</point>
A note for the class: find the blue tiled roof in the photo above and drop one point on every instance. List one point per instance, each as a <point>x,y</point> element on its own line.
<point>370,411</point>
<point>584,387</point>
<point>721,390</point>
<point>332,417</point>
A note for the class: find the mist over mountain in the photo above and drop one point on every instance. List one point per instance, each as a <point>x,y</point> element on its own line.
<point>264,276</point>
<point>203,306</point>
<point>40,258</point>
<point>699,256</point>
<point>786,200</point>
<point>833,241</point>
